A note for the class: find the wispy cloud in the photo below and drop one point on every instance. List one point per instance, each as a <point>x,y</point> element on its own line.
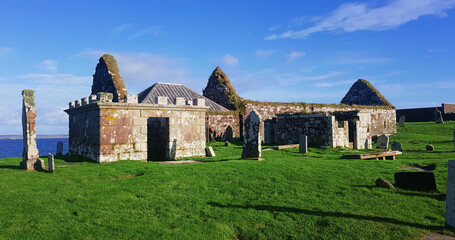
<point>5,50</point>
<point>334,83</point>
<point>264,53</point>
<point>360,16</point>
<point>146,31</point>
<point>56,78</point>
<point>49,64</point>
<point>230,60</point>
<point>294,55</point>
<point>120,28</point>
<point>274,28</point>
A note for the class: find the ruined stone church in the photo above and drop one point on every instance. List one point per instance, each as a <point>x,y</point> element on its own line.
<point>168,121</point>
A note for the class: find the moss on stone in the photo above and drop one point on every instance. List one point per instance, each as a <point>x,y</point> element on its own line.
<point>316,105</point>
<point>383,99</point>
<point>230,92</point>
<point>29,96</point>
<point>113,69</point>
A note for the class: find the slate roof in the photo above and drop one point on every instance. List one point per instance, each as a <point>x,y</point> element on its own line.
<point>172,91</point>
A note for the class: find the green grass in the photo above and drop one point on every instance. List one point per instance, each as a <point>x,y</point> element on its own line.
<point>288,196</point>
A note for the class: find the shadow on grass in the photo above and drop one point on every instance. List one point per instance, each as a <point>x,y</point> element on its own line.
<point>74,158</point>
<point>426,151</point>
<point>10,167</point>
<point>329,214</point>
<point>438,197</point>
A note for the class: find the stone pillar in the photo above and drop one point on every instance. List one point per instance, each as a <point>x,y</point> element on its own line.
<point>450,196</point>
<point>252,137</point>
<point>438,116</point>
<point>50,162</point>
<point>30,155</point>
<point>59,148</point>
<point>303,143</point>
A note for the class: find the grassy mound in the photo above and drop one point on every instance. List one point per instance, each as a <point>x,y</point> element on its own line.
<point>288,196</point>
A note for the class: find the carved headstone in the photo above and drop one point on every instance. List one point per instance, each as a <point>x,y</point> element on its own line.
<point>30,155</point>
<point>397,146</point>
<point>252,138</point>
<point>209,152</point>
<point>59,148</point>
<point>383,142</point>
<point>50,162</point>
<point>416,181</point>
<point>107,79</point>
<point>303,143</point>
<point>228,134</point>
<point>438,116</point>
<point>450,195</point>
<point>402,121</point>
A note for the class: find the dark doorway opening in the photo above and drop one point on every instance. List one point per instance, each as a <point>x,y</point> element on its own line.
<point>351,131</point>
<point>157,139</point>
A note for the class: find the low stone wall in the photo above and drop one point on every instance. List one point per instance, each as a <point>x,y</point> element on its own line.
<point>426,114</point>
<point>106,131</point>
<point>217,125</point>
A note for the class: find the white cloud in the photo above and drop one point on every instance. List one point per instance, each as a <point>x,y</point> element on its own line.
<point>120,28</point>
<point>294,55</point>
<point>359,16</point>
<point>5,50</point>
<point>155,30</point>
<point>230,60</point>
<point>49,64</point>
<point>273,28</point>
<point>264,53</point>
<point>56,78</point>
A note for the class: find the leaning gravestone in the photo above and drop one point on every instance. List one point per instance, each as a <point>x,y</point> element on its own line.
<point>383,142</point>
<point>303,143</point>
<point>416,181</point>
<point>438,116</point>
<point>59,148</point>
<point>402,121</point>
<point>450,195</point>
<point>50,163</point>
<point>30,155</point>
<point>252,138</point>
<point>396,146</point>
<point>209,152</point>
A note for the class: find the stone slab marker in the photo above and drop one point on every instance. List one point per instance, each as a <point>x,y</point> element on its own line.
<point>252,137</point>
<point>59,148</point>
<point>30,155</point>
<point>450,197</point>
<point>438,116</point>
<point>402,121</point>
<point>303,143</point>
<point>383,142</point>
<point>209,152</point>
<point>50,162</point>
<point>397,146</point>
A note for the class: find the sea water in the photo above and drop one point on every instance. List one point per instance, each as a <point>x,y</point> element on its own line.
<point>14,147</point>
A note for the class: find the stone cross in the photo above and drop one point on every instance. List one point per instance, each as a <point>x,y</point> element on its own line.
<point>252,137</point>
<point>383,142</point>
<point>402,121</point>
<point>303,143</point>
<point>59,148</point>
<point>438,116</point>
<point>450,196</point>
<point>30,155</point>
<point>50,162</point>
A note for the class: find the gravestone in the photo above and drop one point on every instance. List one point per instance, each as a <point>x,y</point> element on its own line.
<point>416,181</point>
<point>209,152</point>
<point>59,148</point>
<point>450,195</point>
<point>30,154</point>
<point>402,121</point>
<point>380,182</point>
<point>303,143</point>
<point>228,134</point>
<point>429,147</point>
<point>438,116</point>
<point>252,138</point>
<point>227,143</point>
<point>397,146</point>
<point>383,142</point>
<point>50,162</point>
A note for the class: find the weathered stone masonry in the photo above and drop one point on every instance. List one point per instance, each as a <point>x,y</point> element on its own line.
<point>105,131</point>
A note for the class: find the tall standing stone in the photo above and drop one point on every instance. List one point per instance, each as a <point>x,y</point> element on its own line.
<point>252,138</point>
<point>383,142</point>
<point>402,121</point>
<point>59,148</point>
<point>107,79</point>
<point>30,155</point>
<point>450,196</point>
<point>438,116</point>
<point>303,143</point>
<point>50,163</point>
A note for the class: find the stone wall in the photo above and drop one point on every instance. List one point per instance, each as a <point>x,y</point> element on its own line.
<point>107,131</point>
<point>426,114</point>
<point>217,125</point>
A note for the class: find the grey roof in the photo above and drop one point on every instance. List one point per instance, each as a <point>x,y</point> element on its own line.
<point>173,91</point>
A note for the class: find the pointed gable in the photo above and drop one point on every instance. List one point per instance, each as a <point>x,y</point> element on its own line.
<point>362,92</point>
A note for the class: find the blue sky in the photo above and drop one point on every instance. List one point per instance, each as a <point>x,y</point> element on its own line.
<point>286,51</point>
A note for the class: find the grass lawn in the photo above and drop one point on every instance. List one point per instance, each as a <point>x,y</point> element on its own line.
<point>288,196</point>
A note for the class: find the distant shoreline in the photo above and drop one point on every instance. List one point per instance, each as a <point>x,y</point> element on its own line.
<point>38,137</point>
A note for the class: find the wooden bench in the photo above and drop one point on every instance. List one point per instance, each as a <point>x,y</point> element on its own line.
<point>389,155</point>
